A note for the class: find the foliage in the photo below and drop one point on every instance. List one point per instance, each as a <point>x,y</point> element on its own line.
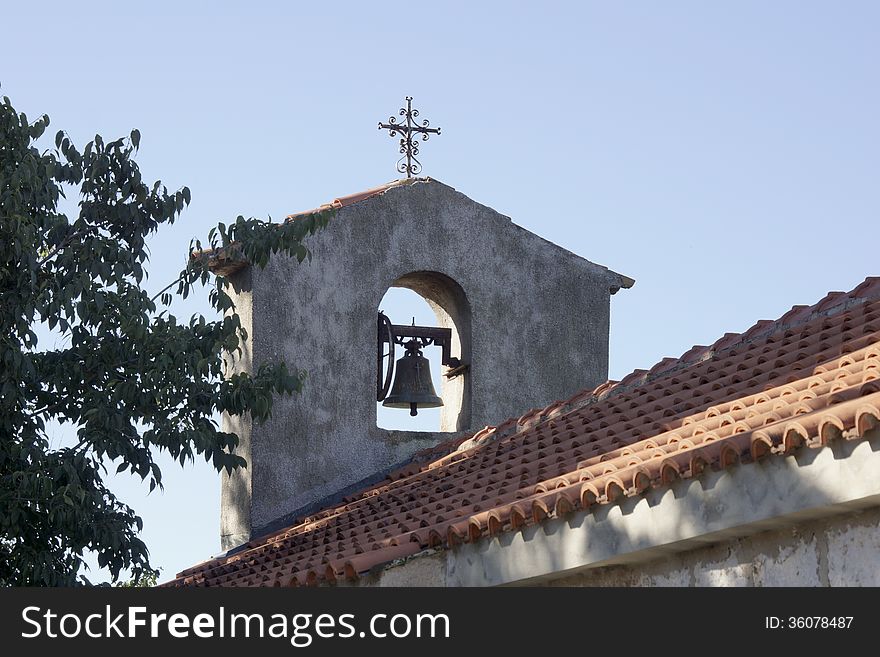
<point>122,370</point>
<point>144,580</point>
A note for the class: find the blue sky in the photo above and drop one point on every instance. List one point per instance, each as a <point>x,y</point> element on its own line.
<point>725,155</point>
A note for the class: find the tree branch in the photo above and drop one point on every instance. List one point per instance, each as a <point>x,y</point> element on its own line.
<point>168,287</point>
<point>65,242</point>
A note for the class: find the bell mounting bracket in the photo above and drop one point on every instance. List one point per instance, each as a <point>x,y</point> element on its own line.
<point>409,337</point>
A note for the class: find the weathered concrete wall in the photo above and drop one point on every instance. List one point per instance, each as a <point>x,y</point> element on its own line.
<point>841,551</point>
<point>235,488</point>
<point>538,332</point>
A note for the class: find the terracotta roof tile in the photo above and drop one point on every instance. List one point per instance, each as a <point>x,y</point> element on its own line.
<point>809,378</point>
<point>351,199</point>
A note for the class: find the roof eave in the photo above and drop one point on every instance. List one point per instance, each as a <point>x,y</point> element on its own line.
<point>622,282</point>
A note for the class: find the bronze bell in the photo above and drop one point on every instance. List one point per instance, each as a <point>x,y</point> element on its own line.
<point>412,382</point>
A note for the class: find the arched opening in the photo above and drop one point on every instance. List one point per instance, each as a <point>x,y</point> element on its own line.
<point>431,299</point>
<point>404,306</point>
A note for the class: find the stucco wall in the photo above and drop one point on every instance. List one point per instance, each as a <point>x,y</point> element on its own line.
<point>842,551</point>
<point>539,319</point>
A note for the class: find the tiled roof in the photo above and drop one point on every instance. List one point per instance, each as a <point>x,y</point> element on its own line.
<point>221,263</point>
<point>810,377</point>
<point>351,199</point>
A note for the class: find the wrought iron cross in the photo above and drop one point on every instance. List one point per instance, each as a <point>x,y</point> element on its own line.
<point>409,148</point>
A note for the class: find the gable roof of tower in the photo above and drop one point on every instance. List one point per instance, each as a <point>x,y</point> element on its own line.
<point>225,264</point>
<point>810,377</point>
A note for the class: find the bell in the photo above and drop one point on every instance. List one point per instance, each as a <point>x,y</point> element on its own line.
<point>412,383</point>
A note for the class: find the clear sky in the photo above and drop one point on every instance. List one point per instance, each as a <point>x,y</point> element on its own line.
<point>725,155</point>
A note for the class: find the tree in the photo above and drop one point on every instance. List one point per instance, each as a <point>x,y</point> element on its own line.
<point>128,376</point>
<point>145,580</point>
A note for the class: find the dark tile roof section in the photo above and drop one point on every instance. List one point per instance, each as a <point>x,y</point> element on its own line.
<point>808,378</point>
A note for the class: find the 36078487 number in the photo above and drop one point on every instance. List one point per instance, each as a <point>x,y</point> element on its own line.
<point>808,622</point>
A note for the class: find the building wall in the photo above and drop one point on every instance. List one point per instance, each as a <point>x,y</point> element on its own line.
<point>537,319</point>
<point>840,551</point>
<point>843,550</point>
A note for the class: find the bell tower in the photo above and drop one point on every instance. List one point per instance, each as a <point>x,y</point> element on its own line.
<point>522,323</point>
